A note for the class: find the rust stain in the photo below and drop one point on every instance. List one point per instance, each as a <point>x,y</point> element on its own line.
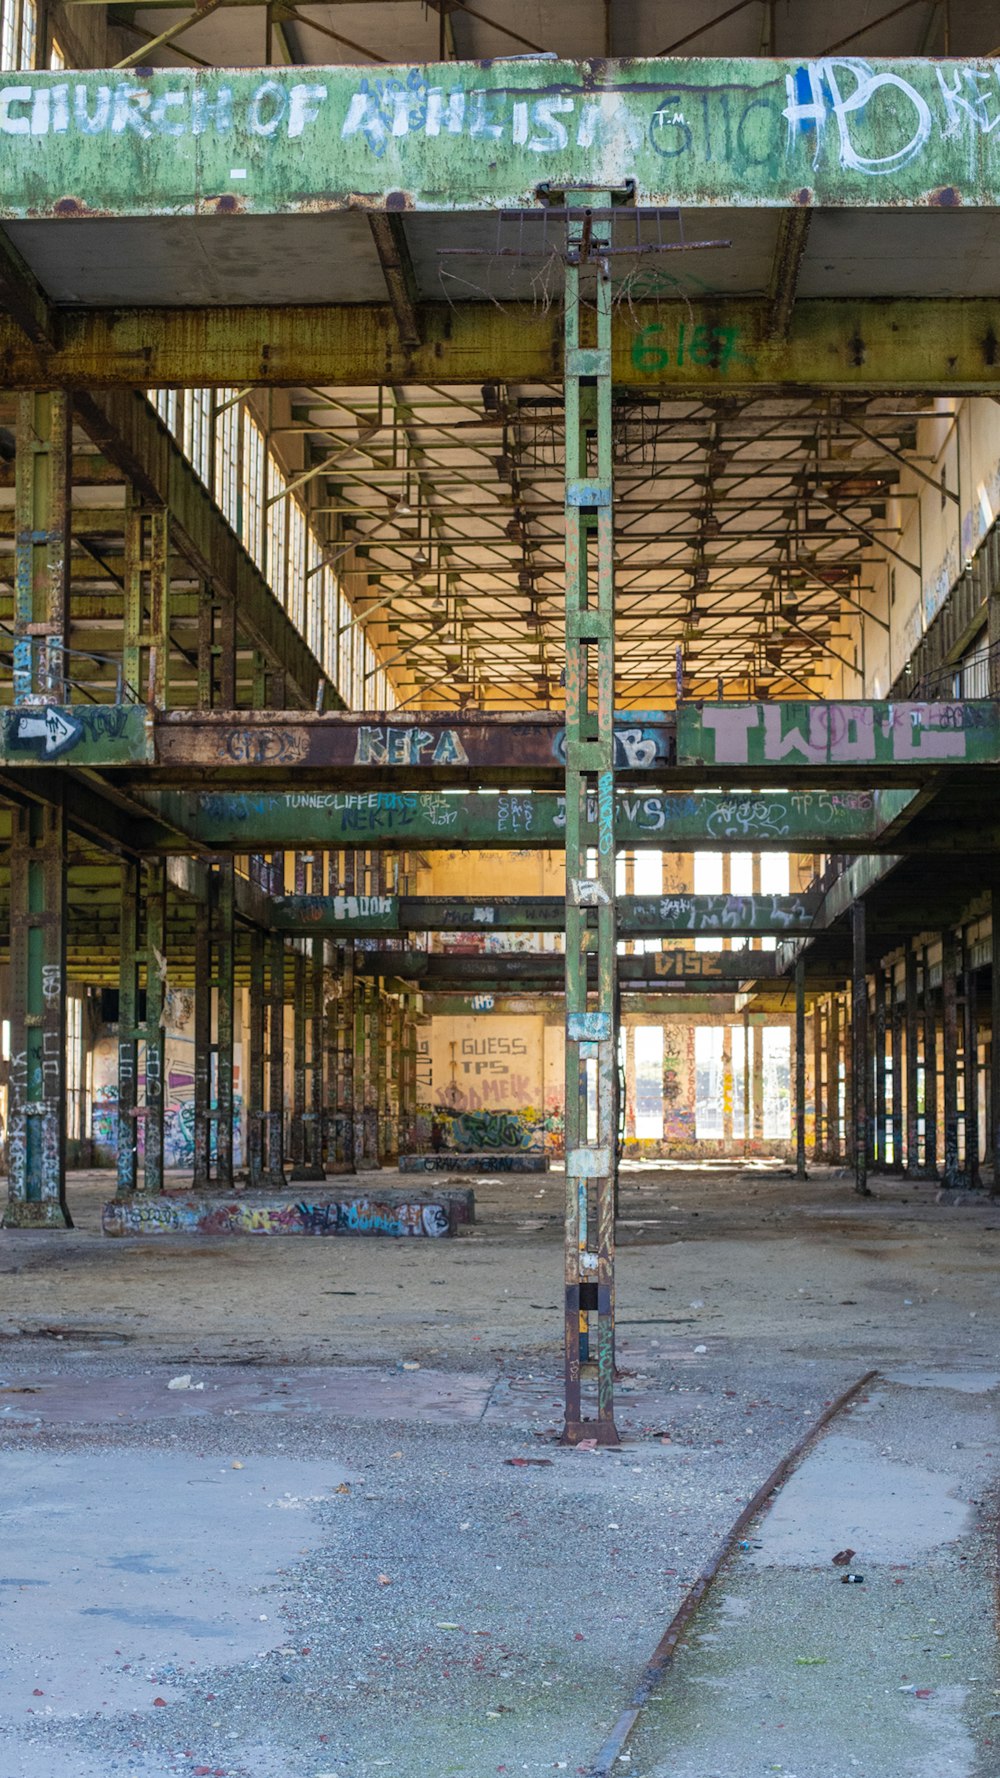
<point>948,197</point>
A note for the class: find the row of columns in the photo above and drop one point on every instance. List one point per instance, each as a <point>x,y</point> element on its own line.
<point>351,1047</point>
<point>896,1074</point>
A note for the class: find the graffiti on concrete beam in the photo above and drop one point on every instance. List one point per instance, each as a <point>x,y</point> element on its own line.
<point>489,136</point>
<point>798,733</point>
<point>87,734</point>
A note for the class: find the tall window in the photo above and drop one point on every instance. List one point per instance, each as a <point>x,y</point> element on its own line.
<point>708,1082</point>
<point>777,1082</point>
<point>649,1081</point>
<point>75,1110</point>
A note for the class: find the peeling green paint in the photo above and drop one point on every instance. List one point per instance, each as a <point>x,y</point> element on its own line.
<point>485,136</point>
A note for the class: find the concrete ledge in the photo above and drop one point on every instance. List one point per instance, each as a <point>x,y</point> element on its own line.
<point>432,1215</point>
<point>508,1161</point>
<point>35,1213</point>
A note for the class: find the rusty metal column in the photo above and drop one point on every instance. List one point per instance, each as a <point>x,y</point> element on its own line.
<point>800,1068</point>
<point>224,972</point>
<point>859,1050</point>
<point>151,1030</point>
<point>296,1134</point>
<point>591,1036</point>
<point>274,1174</point>
<point>346,1145</point>
<point>913,1169</point>
<point>202,1172</point>
<point>995,1037</point>
<point>819,1151</point>
<point>952,1173</point>
<point>41,573</point>
<point>895,1017</point>
<point>970,1046</point>
<point>930,1071</point>
<point>36,1134</point>
<point>834,1150</point>
<point>128,1015</point>
<point>255,1071</point>
<point>145,645</point>
<point>881,1130</point>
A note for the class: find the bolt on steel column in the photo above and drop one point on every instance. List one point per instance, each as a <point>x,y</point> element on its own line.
<point>591,1032</point>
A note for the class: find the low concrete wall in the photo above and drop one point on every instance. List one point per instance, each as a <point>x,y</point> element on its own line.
<point>429,1215</point>
<point>488,1161</point>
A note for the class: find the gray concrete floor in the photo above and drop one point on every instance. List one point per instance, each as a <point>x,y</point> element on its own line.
<point>314,1561</point>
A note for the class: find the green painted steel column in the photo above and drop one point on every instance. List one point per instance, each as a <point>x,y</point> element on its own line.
<point>800,1068</point>
<point>41,574</point>
<point>223,890</point>
<point>254,1069</point>
<point>128,1019</point>
<point>152,1029</point>
<point>274,1175</point>
<point>36,1133</point>
<point>203,992</point>
<point>591,1032</point>
<point>930,1070</point>
<point>145,647</point>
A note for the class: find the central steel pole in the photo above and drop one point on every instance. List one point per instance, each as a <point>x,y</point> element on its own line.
<point>591,1029</point>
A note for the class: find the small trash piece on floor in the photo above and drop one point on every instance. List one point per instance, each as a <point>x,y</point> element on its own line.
<point>843,1558</point>
<point>528,1462</point>
<point>856,1580</point>
<point>180,1382</point>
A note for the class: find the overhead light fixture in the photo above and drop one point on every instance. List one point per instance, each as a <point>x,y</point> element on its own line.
<point>421,557</point>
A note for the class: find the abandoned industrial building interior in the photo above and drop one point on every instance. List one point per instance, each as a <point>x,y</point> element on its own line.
<point>499,875</point>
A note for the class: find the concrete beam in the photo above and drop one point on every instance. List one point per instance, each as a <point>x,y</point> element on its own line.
<point>650,916</point>
<point>899,344</point>
<point>804,821</point>
<point>236,143</point>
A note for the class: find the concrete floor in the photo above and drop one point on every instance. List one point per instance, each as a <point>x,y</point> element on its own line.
<point>314,1561</point>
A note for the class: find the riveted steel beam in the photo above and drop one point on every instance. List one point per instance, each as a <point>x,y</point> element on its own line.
<point>697,133</point>
<point>41,582</point>
<point>898,343</point>
<point>805,821</point>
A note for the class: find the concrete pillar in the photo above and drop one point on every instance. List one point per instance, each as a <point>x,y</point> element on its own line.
<point>819,1101</point>
<point>254,1064</point>
<point>800,1068</point>
<point>128,1018</point>
<point>896,1015</point>
<point>880,1102</point>
<point>36,1130</point>
<point>152,1028</point>
<point>859,1049</point>
<point>274,1166</point>
<point>834,1150</point>
<point>970,1095</point>
<point>952,1175</point>
<point>930,1070</point>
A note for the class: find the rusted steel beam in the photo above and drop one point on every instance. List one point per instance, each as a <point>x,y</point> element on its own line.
<point>793,233</point>
<point>701,968</point>
<point>637,915</point>
<point>719,344</point>
<point>806,821</point>
<point>392,247</point>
